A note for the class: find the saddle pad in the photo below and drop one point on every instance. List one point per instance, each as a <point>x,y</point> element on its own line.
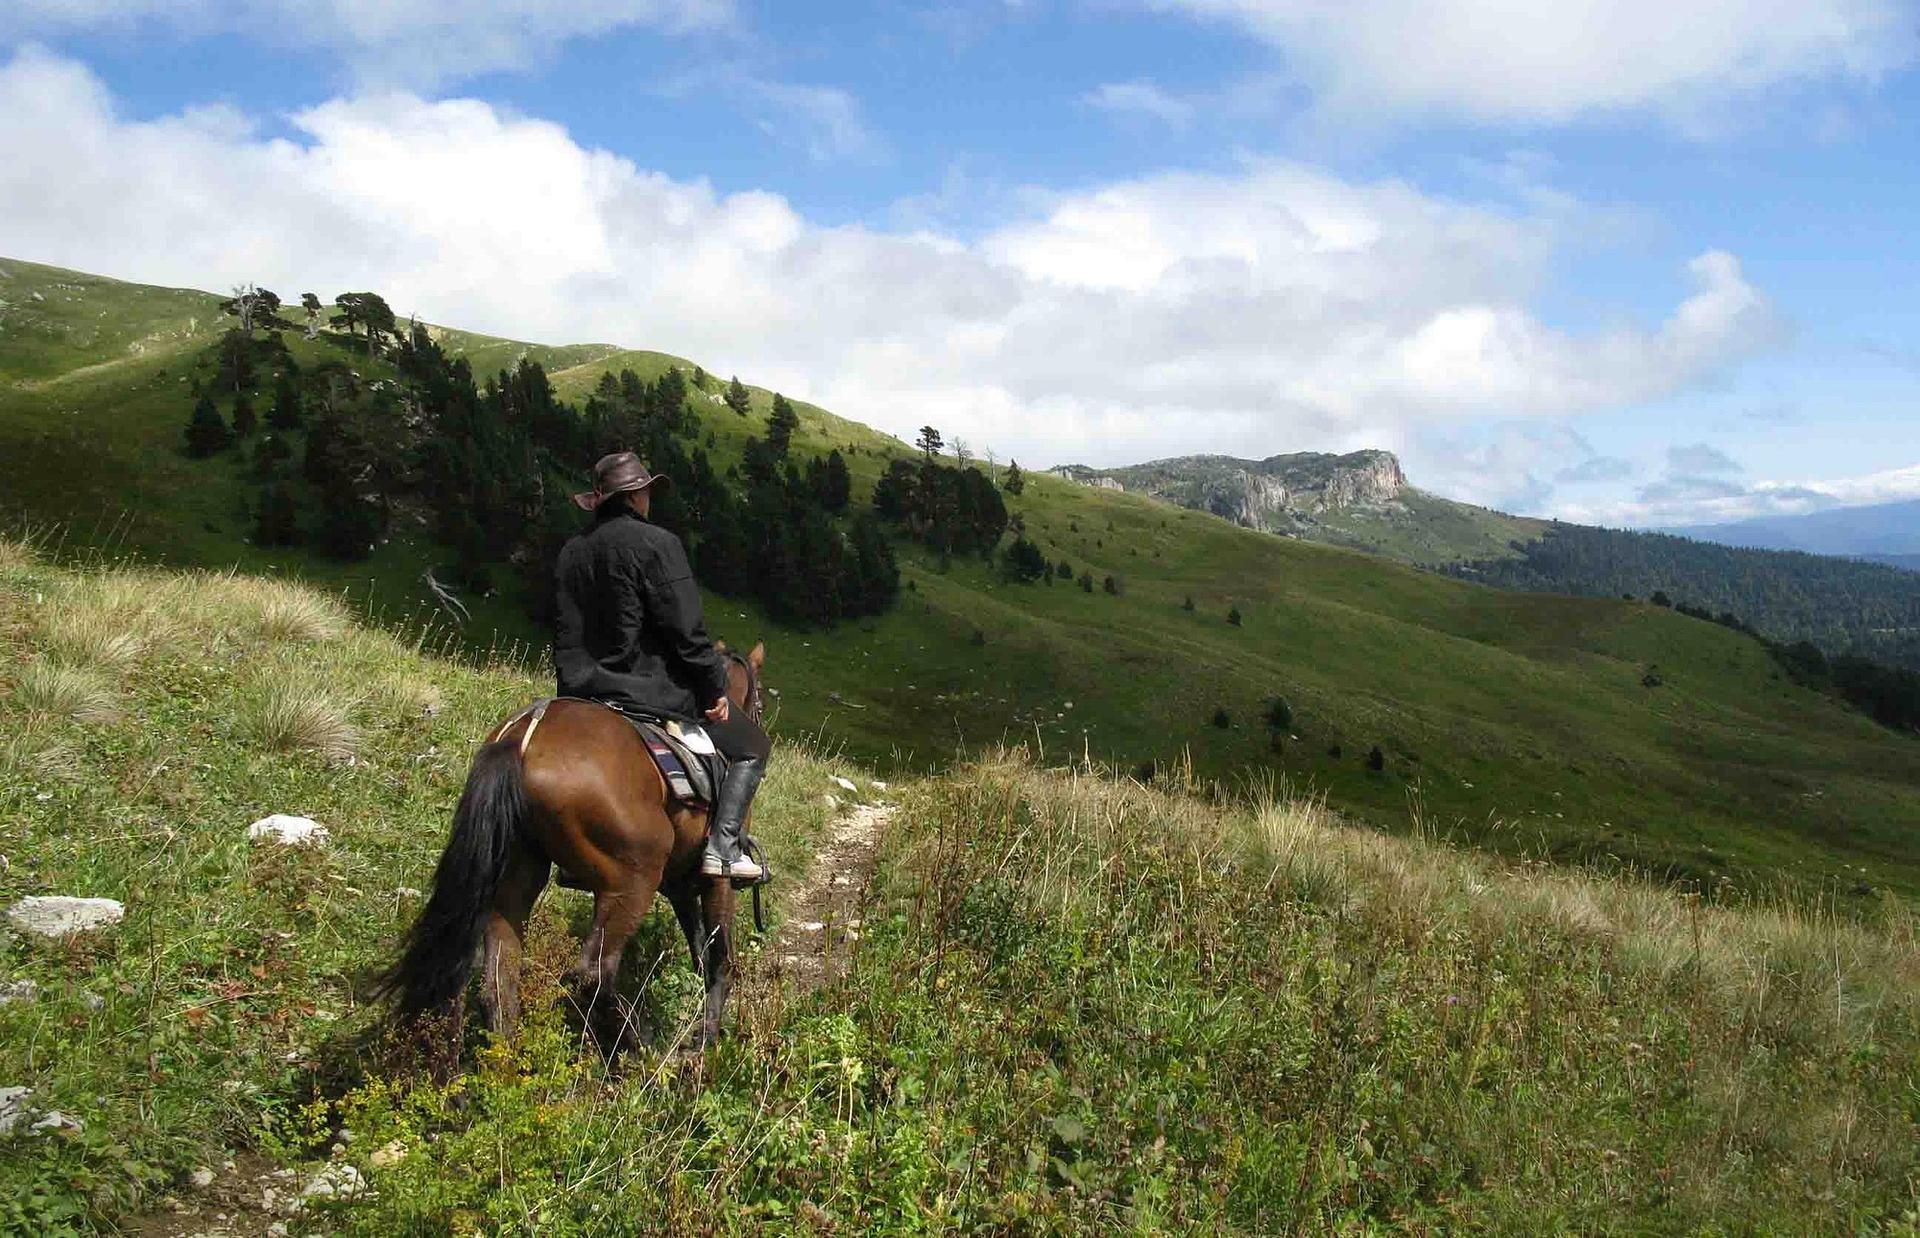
<point>690,775</point>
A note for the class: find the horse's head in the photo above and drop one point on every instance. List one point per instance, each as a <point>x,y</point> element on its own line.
<point>743,677</point>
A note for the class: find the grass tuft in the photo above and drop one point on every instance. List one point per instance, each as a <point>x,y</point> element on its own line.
<point>49,690</point>
<point>288,614</point>
<point>26,757</point>
<point>287,715</point>
<point>90,636</point>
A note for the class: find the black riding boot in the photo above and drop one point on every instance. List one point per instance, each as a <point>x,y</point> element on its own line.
<point>723,858</point>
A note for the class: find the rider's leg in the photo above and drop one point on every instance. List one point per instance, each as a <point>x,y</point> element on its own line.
<point>746,748</point>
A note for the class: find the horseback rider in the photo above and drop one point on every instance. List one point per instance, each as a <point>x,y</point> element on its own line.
<point>630,634</point>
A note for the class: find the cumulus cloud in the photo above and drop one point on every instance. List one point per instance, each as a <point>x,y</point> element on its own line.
<point>1274,307</point>
<point>412,42</point>
<point>1523,61</point>
<point>1700,458</point>
<point>1596,469</point>
<point>1679,500</point>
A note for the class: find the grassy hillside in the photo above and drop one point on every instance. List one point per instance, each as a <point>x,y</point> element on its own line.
<point>1582,729</point>
<point>1077,1004</point>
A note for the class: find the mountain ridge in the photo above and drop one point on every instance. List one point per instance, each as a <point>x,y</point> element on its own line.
<point>1359,499</point>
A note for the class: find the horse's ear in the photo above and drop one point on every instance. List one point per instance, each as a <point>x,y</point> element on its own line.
<point>757,657</point>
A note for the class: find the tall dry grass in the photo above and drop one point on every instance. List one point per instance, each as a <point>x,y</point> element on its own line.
<point>284,713</point>
<point>69,693</point>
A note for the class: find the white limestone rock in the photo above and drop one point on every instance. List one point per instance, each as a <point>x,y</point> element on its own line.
<point>60,915</point>
<point>13,1107</point>
<point>288,831</point>
<point>18,991</point>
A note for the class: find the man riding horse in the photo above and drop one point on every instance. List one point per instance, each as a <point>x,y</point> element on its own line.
<point>630,634</point>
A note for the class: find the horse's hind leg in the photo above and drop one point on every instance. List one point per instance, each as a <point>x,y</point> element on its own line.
<point>616,914</point>
<point>520,885</point>
<point>686,909</point>
<point>716,907</point>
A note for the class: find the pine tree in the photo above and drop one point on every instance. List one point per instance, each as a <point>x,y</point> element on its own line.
<point>1233,616</point>
<point>737,398</point>
<point>929,441</point>
<point>1188,604</point>
<point>277,521</point>
<point>285,413</point>
<point>1086,582</point>
<point>1015,482</point>
<point>836,485</point>
<point>1112,585</point>
<point>781,424</point>
<point>269,454</point>
<point>244,422</point>
<point>207,432</point>
<point>1024,562</point>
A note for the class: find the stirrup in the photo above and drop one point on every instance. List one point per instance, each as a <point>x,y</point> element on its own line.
<point>743,871</point>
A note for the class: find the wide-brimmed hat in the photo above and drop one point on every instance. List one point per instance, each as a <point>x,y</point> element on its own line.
<point>617,474</point>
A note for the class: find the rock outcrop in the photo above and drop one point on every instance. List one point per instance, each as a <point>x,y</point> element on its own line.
<point>1271,494</point>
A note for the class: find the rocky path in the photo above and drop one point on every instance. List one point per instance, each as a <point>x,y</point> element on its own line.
<point>814,942</point>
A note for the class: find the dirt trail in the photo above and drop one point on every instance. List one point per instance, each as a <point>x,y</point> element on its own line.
<point>814,943</point>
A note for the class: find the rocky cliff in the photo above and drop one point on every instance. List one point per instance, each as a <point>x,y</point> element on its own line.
<point>1272,494</point>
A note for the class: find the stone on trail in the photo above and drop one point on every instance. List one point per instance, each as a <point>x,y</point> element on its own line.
<point>336,1182</point>
<point>18,991</point>
<point>58,915</point>
<point>846,784</point>
<point>288,831</point>
<point>201,1178</point>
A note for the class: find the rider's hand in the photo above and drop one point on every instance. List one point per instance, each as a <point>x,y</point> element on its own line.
<point>719,711</point>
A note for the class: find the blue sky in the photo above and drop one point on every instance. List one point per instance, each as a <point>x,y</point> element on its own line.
<point>1605,259</point>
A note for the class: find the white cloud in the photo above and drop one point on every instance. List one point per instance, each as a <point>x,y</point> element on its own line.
<point>1141,98</point>
<point>1687,500</point>
<point>410,42</point>
<point>1700,459</point>
<point>1527,61</point>
<point>1268,309</point>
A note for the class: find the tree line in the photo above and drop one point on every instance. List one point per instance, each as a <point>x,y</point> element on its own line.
<point>488,466</point>
<point>1843,606</point>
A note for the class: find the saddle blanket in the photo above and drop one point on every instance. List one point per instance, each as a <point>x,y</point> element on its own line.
<point>687,759</point>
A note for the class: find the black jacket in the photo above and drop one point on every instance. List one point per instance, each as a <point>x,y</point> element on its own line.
<point>629,630</point>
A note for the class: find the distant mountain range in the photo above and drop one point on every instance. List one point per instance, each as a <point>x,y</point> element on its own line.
<point>1884,532</point>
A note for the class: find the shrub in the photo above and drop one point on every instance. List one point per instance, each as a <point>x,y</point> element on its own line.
<point>1221,718</point>
<point>1376,759</point>
<point>1112,585</point>
<point>1233,616</point>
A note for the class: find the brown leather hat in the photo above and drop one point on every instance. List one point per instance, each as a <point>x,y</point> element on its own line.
<point>617,474</point>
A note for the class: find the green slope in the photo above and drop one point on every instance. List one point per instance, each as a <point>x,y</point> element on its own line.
<point>1516,721</point>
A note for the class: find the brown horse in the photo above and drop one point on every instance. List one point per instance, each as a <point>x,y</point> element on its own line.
<point>576,789</point>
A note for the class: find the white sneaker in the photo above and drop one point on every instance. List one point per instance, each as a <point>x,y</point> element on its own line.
<point>742,869</point>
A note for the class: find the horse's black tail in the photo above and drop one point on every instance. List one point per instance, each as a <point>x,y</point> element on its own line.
<point>438,959</point>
